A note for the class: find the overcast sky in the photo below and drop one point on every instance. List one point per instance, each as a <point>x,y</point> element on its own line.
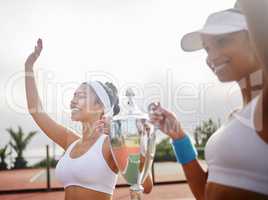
<point>130,42</point>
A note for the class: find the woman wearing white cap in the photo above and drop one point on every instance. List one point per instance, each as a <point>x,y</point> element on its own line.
<point>237,153</point>
<point>87,169</point>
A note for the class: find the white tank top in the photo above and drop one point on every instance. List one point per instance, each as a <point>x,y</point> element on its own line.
<point>88,171</point>
<point>237,156</point>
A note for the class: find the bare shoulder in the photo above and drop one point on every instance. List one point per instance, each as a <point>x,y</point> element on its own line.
<point>265,115</point>
<point>261,119</point>
<point>107,153</point>
<point>106,147</point>
<point>72,136</point>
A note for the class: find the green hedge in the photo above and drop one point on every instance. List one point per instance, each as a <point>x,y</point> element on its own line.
<point>43,163</point>
<point>164,152</point>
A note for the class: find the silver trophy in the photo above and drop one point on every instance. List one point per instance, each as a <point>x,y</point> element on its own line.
<point>132,140</point>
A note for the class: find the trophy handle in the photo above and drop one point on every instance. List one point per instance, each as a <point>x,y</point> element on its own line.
<point>150,109</point>
<point>136,192</point>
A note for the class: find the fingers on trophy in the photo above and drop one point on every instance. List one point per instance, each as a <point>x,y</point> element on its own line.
<point>155,115</point>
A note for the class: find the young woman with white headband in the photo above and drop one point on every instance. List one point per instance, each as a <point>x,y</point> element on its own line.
<point>237,153</point>
<point>87,169</point>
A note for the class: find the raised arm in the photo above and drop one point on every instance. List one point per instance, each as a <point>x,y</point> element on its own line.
<point>195,175</point>
<point>58,133</point>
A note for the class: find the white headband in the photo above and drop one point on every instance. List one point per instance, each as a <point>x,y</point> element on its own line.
<point>102,94</point>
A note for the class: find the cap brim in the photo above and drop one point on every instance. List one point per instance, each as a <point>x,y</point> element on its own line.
<point>191,41</point>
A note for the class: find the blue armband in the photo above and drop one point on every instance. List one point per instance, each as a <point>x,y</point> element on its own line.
<point>184,150</point>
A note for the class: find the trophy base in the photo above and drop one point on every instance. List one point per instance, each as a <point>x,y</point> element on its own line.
<point>136,192</point>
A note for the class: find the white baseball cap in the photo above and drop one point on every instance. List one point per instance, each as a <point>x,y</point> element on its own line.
<point>227,21</point>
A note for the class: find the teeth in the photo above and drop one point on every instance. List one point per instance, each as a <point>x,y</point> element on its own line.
<point>219,67</point>
<point>75,109</point>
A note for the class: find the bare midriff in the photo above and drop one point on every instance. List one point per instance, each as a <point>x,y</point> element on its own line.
<point>77,192</point>
<point>222,192</point>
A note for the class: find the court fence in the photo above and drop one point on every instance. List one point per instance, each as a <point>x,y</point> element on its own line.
<point>43,179</point>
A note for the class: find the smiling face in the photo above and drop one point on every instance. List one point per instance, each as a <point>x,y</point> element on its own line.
<point>85,105</point>
<point>230,56</point>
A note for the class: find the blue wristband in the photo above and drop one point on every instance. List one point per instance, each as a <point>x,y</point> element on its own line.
<point>184,150</point>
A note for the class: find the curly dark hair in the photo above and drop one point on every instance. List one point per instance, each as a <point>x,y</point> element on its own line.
<point>113,96</point>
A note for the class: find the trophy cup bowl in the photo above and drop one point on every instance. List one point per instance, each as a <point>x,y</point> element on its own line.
<point>132,140</point>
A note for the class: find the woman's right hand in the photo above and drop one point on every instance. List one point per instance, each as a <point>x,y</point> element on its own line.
<point>166,121</point>
<point>33,56</point>
<point>103,125</point>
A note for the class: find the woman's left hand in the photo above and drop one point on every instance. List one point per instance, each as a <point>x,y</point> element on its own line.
<point>166,121</point>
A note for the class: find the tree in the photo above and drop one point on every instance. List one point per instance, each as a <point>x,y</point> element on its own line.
<point>202,133</point>
<point>3,156</point>
<point>19,142</point>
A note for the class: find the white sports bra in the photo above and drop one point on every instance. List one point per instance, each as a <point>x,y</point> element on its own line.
<point>237,156</point>
<point>89,170</point>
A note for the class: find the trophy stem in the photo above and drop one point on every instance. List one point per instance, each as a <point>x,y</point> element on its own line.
<point>135,192</point>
